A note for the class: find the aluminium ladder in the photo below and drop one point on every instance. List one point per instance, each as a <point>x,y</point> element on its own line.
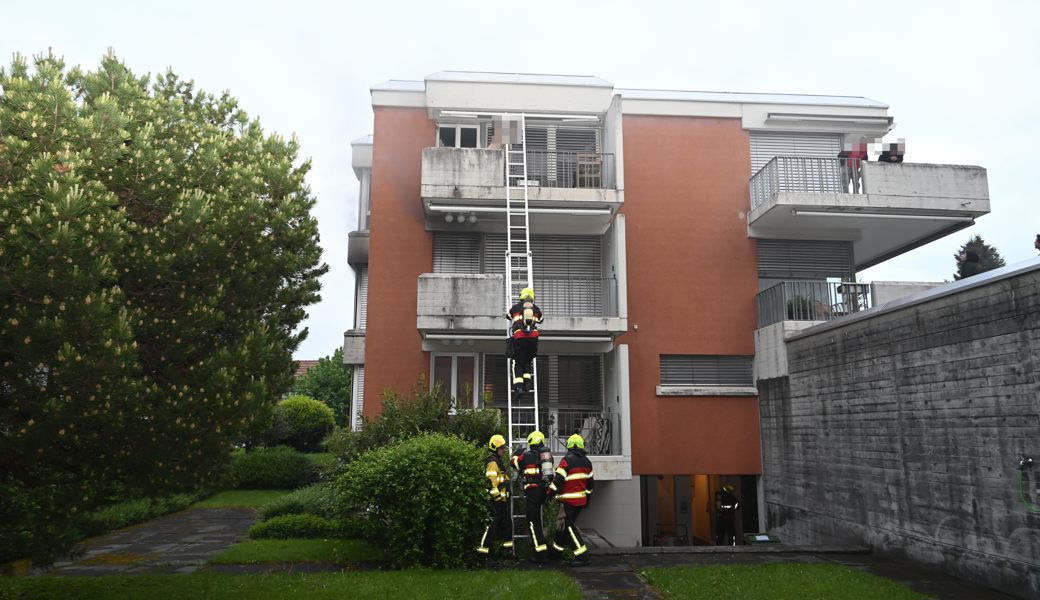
<point>522,409</point>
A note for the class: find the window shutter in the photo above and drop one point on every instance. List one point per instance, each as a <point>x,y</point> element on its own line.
<point>764,146</point>
<point>359,397</point>
<point>456,252</point>
<point>362,318</point>
<point>804,259</point>
<point>706,370</point>
<point>568,272</point>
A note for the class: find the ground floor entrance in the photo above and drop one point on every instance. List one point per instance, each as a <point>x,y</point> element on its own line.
<point>680,510</point>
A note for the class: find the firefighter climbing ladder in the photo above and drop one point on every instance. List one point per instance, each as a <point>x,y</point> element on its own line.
<point>522,409</point>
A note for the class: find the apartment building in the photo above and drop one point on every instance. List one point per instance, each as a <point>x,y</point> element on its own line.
<point>676,237</point>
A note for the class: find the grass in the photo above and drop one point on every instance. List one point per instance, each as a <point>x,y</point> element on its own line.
<point>793,581</point>
<point>413,585</point>
<point>243,498</point>
<point>281,551</point>
<point>321,459</point>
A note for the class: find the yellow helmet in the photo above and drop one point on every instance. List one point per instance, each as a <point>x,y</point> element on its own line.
<point>576,441</point>
<point>496,442</point>
<point>535,438</point>
<point>727,488</point>
<point>526,293</point>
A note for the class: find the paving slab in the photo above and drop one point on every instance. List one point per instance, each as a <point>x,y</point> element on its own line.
<point>175,543</point>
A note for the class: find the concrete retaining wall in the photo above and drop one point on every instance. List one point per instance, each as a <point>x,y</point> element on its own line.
<point>903,430</point>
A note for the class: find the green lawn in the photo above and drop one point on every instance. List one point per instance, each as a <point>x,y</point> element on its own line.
<point>413,585</point>
<point>270,551</point>
<point>322,458</point>
<point>790,581</point>
<point>246,498</point>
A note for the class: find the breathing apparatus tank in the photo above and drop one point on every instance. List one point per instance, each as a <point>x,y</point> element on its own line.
<point>545,458</point>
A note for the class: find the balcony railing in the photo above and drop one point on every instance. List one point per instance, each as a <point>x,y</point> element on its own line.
<point>803,174</point>
<point>811,301</point>
<point>601,429</point>
<point>577,296</point>
<point>559,169</point>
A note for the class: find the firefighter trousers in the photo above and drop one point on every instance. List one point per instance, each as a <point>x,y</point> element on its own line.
<point>499,530</point>
<point>567,532</point>
<point>535,499</point>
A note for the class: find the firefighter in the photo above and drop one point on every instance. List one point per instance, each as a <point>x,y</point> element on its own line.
<point>572,485</point>
<point>536,466</point>
<point>726,505</point>
<point>524,317</point>
<point>500,529</point>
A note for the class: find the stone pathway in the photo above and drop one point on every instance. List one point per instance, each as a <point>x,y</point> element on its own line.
<point>176,543</point>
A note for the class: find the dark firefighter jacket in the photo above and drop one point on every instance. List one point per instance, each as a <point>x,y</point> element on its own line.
<point>530,466</point>
<point>573,482</point>
<point>525,317</point>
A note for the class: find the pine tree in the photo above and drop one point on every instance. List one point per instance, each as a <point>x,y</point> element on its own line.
<point>989,257</point>
<point>157,254</point>
<point>328,381</point>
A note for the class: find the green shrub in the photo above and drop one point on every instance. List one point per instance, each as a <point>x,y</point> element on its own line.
<point>128,512</point>
<point>317,499</point>
<point>425,496</point>
<point>302,422</point>
<point>403,417</point>
<point>272,468</point>
<point>477,425</point>
<point>295,526</point>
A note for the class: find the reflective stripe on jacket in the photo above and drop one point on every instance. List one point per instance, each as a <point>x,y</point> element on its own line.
<point>498,478</point>
<point>529,465</point>
<point>573,481</point>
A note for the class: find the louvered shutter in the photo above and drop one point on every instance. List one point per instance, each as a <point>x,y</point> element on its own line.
<point>804,259</point>
<point>456,252</point>
<point>567,272</point>
<point>359,397</point>
<point>362,312</point>
<point>564,381</point>
<point>706,370</point>
<point>764,146</point>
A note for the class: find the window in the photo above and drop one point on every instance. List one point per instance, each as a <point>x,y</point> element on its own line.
<point>457,136</point>
<point>706,370</point>
<point>457,374</point>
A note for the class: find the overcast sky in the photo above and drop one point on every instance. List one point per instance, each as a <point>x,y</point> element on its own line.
<point>962,79</point>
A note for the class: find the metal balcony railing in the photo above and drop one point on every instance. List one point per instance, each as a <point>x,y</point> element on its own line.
<point>577,296</point>
<point>559,169</point>
<point>804,174</point>
<point>811,301</point>
<point>601,429</point>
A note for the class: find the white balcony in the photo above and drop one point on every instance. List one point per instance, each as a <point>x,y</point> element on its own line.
<point>580,314</point>
<point>889,209</point>
<point>568,192</point>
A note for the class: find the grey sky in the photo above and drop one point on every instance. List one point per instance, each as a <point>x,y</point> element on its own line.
<point>961,79</point>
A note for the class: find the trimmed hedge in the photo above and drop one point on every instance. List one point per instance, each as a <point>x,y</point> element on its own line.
<point>272,468</point>
<point>423,499</point>
<point>317,499</point>
<point>295,526</point>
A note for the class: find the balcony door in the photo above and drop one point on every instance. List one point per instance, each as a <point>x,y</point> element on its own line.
<point>457,375</point>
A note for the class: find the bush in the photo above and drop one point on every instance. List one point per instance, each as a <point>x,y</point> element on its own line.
<point>272,468</point>
<point>425,496</point>
<point>317,499</point>
<point>403,417</point>
<point>302,422</point>
<point>295,526</point>
<point>128,512</point>
<point>477,425</point>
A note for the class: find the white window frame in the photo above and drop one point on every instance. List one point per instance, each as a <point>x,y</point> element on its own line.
<point>458,134</point>
<point>455,376</point>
